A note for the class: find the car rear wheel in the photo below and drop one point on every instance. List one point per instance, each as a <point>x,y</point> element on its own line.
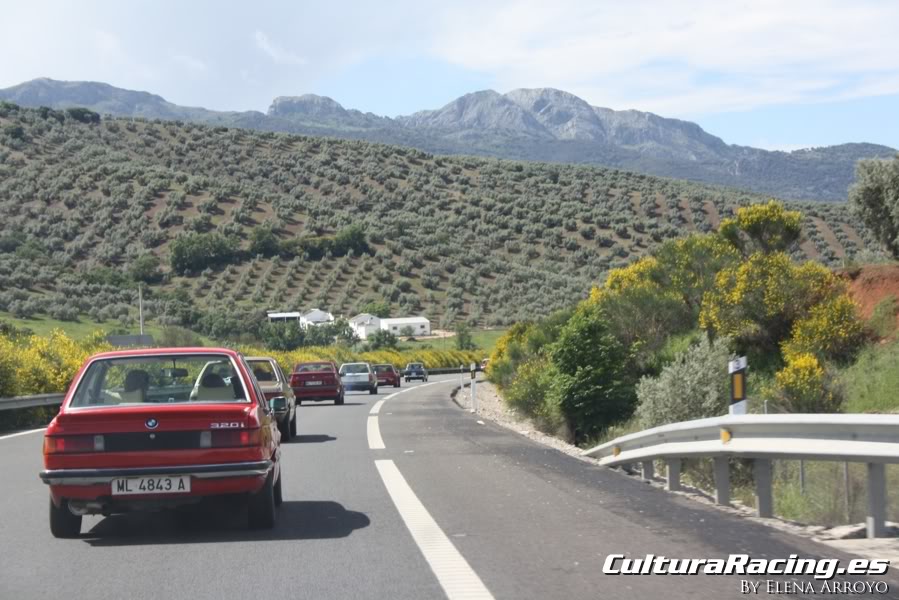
<point>63,522</point>
<point>373,390</point>
<point>397,384</point>
<point>261,509</point>
<point>279,497</point>
<point>284,427</point>
<point>293,425</point>
<point>339,399</point>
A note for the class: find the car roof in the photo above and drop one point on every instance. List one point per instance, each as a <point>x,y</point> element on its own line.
<point>382,365</point>
<point>356,363</point>
<point>259,359</point>
<point>169,351</point>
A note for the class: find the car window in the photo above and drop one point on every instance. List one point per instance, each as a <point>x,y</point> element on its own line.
<point>159,378</point>
<point>263,370</point>
<point>313,367</point>
<point>353,369</point>
<point>383,368</point>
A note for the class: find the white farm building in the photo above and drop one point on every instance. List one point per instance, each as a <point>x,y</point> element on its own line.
<point>419,325</point>
<point>365,324</point>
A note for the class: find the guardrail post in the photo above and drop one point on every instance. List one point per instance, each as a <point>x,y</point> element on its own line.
<point>764,503</point>
<point>648,470</point>
<point>877,500</point>
<point>722,481</point>
<point>673,474</point>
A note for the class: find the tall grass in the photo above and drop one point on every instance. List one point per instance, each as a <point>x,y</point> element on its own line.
<point>871,384</point>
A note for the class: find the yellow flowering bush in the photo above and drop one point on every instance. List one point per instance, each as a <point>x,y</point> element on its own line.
<point>761,298</point>
<point>831,331</point>
<point>762,228</point>
<point>803,386</point>
<point>36,364</point>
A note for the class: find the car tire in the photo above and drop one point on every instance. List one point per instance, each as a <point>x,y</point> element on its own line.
<point>284,428</point>
<point>338,400</point>
<point>63,522</point>
<point>293,425</point>
<point>373,390</point>
<point>279,496</point>
<point>261,507</point>
<point>397,384</point>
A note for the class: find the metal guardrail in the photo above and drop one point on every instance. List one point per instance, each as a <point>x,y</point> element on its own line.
<point>870,439</point>
<point>31,401</point>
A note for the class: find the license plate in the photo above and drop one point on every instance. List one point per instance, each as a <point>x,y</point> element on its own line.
<point>313,383</point>
<point>151,485</point>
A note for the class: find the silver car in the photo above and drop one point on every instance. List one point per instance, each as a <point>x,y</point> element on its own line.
<point>359,376</point>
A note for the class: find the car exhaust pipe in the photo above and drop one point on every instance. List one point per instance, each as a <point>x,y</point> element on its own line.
<point>85,508</point>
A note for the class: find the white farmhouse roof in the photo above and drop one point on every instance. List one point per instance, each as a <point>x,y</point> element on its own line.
<point>365,319</point>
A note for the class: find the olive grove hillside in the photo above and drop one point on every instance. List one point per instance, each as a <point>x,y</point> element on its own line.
<point>221,224</point>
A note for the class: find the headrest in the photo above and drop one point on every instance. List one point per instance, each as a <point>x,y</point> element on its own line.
<point>136,379</point>
<point>212,380</point>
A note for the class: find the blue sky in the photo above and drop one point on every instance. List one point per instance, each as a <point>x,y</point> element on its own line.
<point>780,75</point>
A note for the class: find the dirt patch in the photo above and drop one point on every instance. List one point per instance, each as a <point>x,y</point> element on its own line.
<point>871,284</point>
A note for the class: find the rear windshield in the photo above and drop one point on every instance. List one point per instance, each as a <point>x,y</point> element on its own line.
<point>161,379</point>
<point>263,370</point>
<point>383,369</point>
<point>310,367</point>
<point>415,366</point>
<point>352,369</point>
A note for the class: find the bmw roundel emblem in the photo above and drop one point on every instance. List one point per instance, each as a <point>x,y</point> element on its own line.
<point>151,423</point>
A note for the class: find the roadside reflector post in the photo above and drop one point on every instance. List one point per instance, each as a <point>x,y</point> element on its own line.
<point>474,393</point>
<point>648,470</point>
<point>673,474</point>
<point>722,481</point>
<point>764,502</point>
<point>737,370</point>
<point>877,500</point>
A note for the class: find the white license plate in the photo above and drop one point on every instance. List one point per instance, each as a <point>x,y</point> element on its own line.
<point>179,484</point>
<point>313,383</point>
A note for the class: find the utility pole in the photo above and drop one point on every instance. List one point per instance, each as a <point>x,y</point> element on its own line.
<point>140,306</point>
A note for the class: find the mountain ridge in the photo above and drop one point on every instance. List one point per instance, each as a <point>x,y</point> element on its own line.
<point>543,124</point>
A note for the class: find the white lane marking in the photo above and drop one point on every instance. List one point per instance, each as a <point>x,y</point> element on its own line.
<point>456,577</point>
<point>377,407</point>
<point>12,435</point>
<point>374,434</point>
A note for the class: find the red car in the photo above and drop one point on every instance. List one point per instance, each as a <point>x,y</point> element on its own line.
<point>161,428</point>
<point>316,381</point>
<point>387,375</point>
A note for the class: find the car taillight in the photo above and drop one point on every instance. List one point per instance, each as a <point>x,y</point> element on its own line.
<point>230,438</point>
<point>294,380</point>
<point>69,444</point>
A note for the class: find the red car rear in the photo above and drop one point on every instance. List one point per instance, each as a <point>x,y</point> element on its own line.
<point>316,381</point>
<point>161,428</point>
<point>387,375</point>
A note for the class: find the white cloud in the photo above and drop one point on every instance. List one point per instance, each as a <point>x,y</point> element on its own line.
<point>683,58</point>
<point>275,52</point>
<point>190,62</point>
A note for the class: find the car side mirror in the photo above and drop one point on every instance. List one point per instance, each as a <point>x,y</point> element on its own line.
<point>279,405</point>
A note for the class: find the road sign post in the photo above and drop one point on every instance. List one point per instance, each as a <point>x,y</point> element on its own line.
<point>737,369</point>
<point>474,393</point>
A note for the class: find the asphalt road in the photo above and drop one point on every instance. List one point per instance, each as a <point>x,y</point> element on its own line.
<point>447,508</point>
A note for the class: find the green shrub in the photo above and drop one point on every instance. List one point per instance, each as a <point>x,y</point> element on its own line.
<point>193,252</point>
<point>694,385</point>
<point>594,388</point>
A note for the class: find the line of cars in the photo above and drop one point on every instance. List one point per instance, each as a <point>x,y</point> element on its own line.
<point>166,428</point>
